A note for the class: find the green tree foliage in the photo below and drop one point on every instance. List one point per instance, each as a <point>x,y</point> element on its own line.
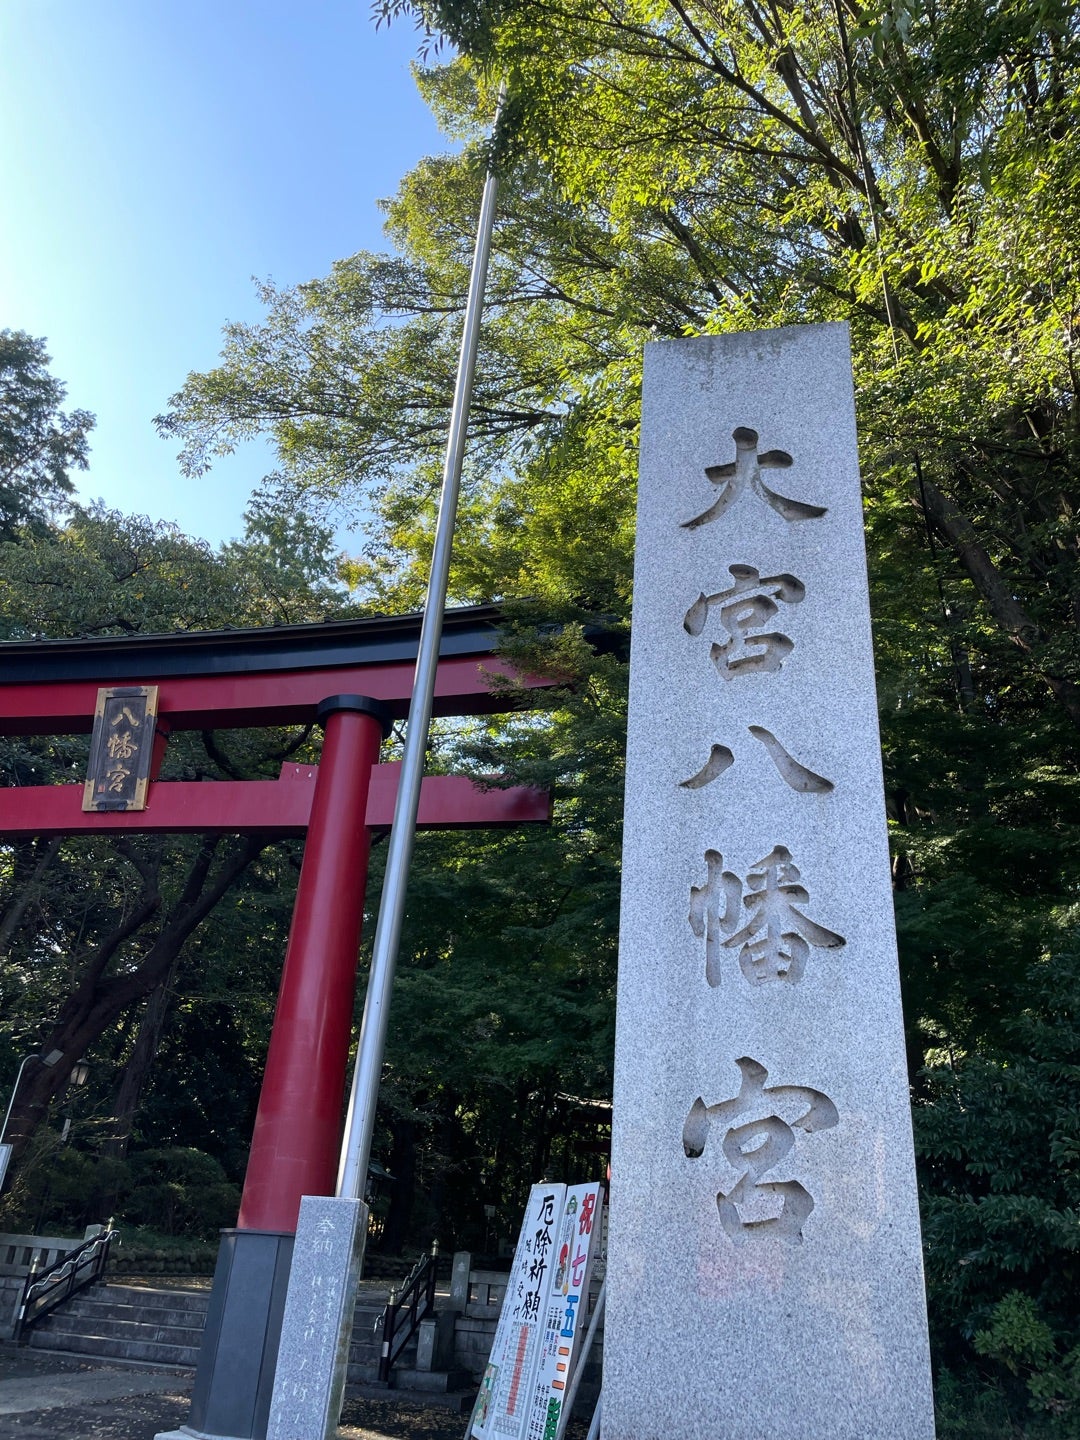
<point>675,168</point>
<point>111,943</point>
<point>999,1139</point>
<point>911,170</point>
<point>103,573</point>
<point>39,444</point>
<point>174,1191</point>
<point>503,1015</point>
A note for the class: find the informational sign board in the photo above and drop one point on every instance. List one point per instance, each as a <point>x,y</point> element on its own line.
<point>543,1319</point>
<point>121,748</point>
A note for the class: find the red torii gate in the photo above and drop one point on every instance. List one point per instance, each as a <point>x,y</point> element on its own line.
<point>280,675</point>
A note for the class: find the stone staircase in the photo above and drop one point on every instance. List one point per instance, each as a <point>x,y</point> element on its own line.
<point>127,1322</point>
<point>367,1345</point>
<point>164,1327</point>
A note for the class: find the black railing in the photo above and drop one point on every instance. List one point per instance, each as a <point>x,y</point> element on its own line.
<point>405,1309</point>
<point>45,1289</point>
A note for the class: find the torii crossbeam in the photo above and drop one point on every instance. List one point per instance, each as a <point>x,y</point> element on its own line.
<point>281,675</point>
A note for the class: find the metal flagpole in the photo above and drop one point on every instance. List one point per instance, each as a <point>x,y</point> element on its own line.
<point>360,1124</point>
<point>312,1356</point>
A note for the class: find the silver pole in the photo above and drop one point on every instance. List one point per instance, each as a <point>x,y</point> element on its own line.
<point>594,1428</point>
<point>360,1124</point>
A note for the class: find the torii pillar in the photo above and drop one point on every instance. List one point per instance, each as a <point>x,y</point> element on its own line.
<point>281,675</point>
<point>294,1148</point>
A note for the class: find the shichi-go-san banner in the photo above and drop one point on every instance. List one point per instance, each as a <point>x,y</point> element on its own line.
<point>543,1316</point>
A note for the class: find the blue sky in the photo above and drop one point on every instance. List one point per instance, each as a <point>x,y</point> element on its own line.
<point>157,154</point>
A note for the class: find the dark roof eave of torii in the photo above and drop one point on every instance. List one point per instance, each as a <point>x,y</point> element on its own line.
<point>274,675</point>
<point>371,640</point>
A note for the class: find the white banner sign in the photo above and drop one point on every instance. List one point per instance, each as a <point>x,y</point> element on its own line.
<point>539,1327</point>
<point>565,1319</point>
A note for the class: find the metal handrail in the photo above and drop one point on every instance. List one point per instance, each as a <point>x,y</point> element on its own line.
<point>46,1289</point>
<point>414,1302</point>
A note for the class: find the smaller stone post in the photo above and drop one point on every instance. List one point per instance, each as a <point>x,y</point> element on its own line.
<point>459,1281</point>
<point>326,1270</point>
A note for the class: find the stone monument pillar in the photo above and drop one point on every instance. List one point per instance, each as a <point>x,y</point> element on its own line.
<point>765,1271</point>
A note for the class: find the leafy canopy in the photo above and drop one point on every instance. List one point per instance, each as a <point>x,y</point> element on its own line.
<point>39,444</point>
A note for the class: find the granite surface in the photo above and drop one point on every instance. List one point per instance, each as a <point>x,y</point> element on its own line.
<point>765,1272</point>
<point>315,1332</point>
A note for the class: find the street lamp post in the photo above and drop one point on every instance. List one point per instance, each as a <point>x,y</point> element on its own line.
<point>80,1073</point>
<point>52,1058</point>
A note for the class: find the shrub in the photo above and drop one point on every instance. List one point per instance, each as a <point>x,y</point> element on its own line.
<point>180,1191</point>
<point>999,1143</point>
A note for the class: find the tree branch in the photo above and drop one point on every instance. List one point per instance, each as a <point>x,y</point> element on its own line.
<point>1025,632</point>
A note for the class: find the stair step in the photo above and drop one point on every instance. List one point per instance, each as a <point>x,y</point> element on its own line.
<point>193,1301</point>
<point>364,1354</point>
<point>163,1326</point>
<point>118,1314</point>
<point>113,1348</point>
<point>61,1322</point>
<point>362,1374</point>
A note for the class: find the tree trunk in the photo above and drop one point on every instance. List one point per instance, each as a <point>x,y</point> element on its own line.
<point>31,862</point>
<point>137,1068</point>
<point>98,999</point>
<point>1023,630</point>
<point>403,1189</point>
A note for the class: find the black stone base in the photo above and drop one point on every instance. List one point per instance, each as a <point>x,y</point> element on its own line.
<point>234,1380</point>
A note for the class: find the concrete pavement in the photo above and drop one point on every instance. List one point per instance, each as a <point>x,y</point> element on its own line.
<point>45,1396</point>
<point>52,1396</point>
